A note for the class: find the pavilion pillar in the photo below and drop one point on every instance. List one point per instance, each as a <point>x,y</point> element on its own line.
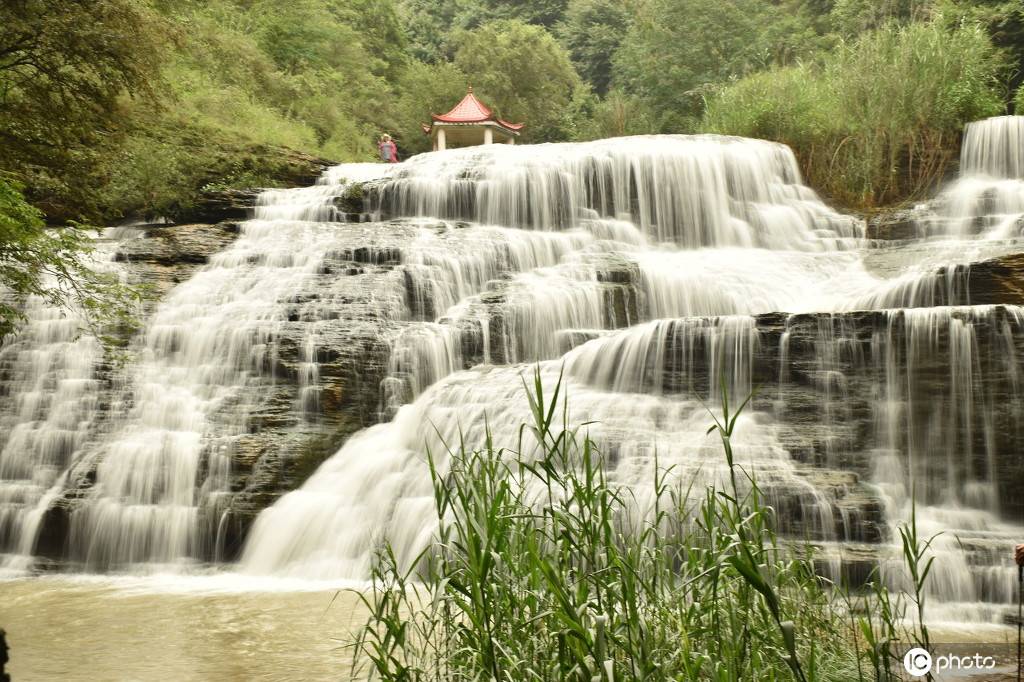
<point>441,142</point>
<point>488,135</point>
<point>511,139</point>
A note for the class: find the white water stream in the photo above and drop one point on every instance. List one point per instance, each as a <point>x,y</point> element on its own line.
<point>709,232</point>
<point>743,238</point>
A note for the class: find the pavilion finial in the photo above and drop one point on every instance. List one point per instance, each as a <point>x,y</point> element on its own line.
<point>470,88</point>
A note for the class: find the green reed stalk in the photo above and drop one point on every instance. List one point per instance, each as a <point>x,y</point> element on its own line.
<point>542,568</point>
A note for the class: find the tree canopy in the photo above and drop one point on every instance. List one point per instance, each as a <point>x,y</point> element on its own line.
<point>592,32</point>
<point>117,108</point>
<point>523,73</point>
<point>63,69</point>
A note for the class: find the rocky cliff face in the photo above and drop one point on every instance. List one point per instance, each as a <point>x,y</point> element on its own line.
<point>284,167</point>
<point>331,367</point>
<point>319,380</point>
<point>825,370</point>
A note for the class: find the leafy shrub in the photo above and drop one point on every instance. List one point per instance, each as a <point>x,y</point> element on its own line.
<point>879,119</point>
<point>55,264</point>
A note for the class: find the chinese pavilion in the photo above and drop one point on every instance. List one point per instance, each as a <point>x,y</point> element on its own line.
<point>470,123</point>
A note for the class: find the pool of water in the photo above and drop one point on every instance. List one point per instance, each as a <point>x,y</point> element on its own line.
<point>228,627</point>
<point>223,627</point>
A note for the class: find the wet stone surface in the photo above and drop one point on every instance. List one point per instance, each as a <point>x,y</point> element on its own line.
<point>377,279</point>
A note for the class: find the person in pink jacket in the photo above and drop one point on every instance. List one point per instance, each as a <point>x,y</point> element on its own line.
<point>388,149</point>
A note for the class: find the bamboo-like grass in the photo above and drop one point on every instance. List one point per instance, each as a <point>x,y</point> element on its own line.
<point>589,581</point>
<point>879,119</point>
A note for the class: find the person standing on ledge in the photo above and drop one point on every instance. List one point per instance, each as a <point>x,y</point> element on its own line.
<point>388,149</point>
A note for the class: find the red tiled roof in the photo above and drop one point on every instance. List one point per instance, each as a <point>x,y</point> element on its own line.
<point>471,110</point>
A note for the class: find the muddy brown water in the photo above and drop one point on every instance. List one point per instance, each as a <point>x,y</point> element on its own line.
<point>228,627</point>
<point>222,628</point>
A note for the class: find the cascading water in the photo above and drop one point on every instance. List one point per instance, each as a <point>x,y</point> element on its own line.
<point>988,199</point>
<point>745,239</point>
<point>691,191</point>
<point>49,408</point>
<point>153,488</point>
<point>640,269</point>
<point>994,148</point>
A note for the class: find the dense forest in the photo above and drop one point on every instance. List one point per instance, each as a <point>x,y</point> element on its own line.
<point>129,108</point>
<point>123,107</point>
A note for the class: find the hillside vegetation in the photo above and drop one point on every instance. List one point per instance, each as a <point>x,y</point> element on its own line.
<point>114,109</point>
<point>125,107</point>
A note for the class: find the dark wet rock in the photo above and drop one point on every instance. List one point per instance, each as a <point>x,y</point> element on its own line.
<point>295,168</point>
<point>996,281</point>
<point>178,244</point>
<point>896,224</point>
<point>577,337</point>
<point>162,257</point>
<point>374,255</point>
<point>833,393</point>
<point>214,206</point>
<point>52,544</point>
<point>351,201</point>
<point>853,565</point>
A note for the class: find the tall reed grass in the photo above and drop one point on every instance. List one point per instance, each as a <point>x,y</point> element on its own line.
<point>880,118</point>
<point>543,568</point>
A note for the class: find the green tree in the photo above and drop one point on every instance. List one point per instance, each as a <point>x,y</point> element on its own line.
<point>420,90</point>
<point>525,74</point>
<point>592,31</point>
<point>433,27</point>
<point>542,12</point>
<point>428,25</point>
<point>63,70</point>
<point>380,31</point>
<point>53,264</point>
<point>677,50</point>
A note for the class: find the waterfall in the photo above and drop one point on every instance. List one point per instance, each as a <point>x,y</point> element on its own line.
<point>160,479</point>
<point>331,527</point>
<point>695,246</point>
<point>994,147</point>
<point>49,410</point>
<point>161,455</point>
<point>690,190</point>
<point>988,199</point>
<point>641,271</point>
